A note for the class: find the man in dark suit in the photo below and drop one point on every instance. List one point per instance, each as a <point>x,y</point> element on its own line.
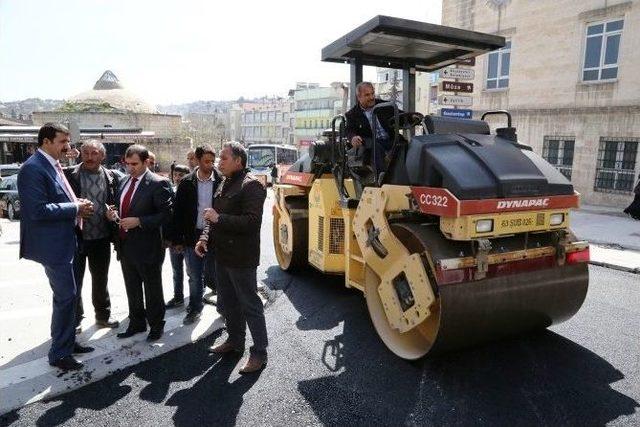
<point>233,230</point>
<point>94,182</point>
<point>144,203</point>
<point>360,123</point>
<point>51,216</point>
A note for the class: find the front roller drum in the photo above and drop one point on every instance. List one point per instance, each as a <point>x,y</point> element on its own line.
<point>471,313</point>
<point>290,240</point>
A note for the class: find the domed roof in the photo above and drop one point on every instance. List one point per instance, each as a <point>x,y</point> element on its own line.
<point>108,95</point>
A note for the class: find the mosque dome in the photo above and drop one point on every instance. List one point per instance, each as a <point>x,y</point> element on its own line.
<point>108,95</point>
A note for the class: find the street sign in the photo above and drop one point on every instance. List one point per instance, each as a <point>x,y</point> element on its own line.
<point>449,86</point>
<point>458,73</point>
<point>468,61</point>
<point>452,112</point>
<point>460,101</point>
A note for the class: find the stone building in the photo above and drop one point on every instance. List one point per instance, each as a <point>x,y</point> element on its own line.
<point>109,105</point>
<point>568,74</point>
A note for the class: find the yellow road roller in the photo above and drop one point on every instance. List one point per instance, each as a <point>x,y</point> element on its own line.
<point>463,236</point>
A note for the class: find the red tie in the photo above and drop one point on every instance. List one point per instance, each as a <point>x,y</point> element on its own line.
<point>124,207</point>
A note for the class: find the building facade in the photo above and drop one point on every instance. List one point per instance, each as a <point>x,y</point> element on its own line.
<point>568,75</point>
<point>270,122</point>
<point>389,82</point>
<point>315,107</point>
<point>109,106</point>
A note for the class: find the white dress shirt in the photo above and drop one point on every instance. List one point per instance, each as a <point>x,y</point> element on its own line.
<point>126,188</point>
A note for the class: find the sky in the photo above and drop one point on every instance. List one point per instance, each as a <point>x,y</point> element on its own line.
<point>182,50</point>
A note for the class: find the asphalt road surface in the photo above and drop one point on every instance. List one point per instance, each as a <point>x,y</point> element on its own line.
<point>327,366</point>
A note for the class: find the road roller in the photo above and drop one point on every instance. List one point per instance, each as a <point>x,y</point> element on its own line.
<point>462,238</point>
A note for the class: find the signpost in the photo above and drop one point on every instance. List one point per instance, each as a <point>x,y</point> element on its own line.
<point>449,86</point>
<point>458,73</point>
<point>456,100</point>
<point>459,114</point>
<point>468,61</point>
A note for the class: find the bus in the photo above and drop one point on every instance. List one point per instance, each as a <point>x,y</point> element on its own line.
<point>261,158</point>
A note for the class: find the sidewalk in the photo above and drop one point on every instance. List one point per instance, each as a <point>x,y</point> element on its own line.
<point>25,315</point>
<point>614,237</point>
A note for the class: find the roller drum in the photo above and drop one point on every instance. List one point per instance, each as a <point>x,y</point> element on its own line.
<point>470,313</point>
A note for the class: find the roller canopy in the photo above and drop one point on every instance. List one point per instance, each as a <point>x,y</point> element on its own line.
<point>401,43</point>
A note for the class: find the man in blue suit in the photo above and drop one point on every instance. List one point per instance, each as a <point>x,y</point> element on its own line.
<point>51,214</point>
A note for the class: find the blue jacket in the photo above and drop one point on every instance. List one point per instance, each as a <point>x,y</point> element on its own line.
<point>47,223</point>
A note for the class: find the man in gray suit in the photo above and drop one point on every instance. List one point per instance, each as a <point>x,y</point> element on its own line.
<point>144,204</point>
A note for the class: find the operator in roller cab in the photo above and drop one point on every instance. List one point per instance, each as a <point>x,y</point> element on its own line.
<point>360,123</point>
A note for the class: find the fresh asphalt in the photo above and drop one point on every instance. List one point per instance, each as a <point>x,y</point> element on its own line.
<point>328,367</point>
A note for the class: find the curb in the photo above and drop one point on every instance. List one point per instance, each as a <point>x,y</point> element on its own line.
<point>616,267</point>
<point>35,380</point>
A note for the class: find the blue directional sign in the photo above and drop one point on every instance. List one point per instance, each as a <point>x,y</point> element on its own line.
<point>452,112</point>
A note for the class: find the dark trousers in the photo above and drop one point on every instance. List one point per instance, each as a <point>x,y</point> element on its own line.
<point>98,253</point>
<point>195,271</point>
<point>382,147</point>
<point>210,270</point>
<point>177,265</point>
<point>63,327</point>
<point>148,306</point>
<point>240,305</point>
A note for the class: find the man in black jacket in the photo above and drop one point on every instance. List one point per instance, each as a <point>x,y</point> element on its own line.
<point>360,123</point>
<point>90,180</point>
<point>194,194</point>
<point>233,231</point>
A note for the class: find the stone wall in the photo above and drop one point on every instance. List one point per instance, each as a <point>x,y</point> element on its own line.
<point>546,94</point>
<point>164,125</point>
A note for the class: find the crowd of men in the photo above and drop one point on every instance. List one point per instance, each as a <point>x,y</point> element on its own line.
<point>208,219</point>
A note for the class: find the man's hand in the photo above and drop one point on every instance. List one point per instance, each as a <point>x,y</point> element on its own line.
<point>356,141</point>
<point>85,208</point>
<point>201,248</point>
<point>177,248</point>
<point>130,222</point>
<point>111,213</point>
<point>211,215</point>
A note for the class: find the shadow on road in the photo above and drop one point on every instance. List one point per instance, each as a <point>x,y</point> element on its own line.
<point>213,399</point>
<point>94,397</point>
<point>541,379</point>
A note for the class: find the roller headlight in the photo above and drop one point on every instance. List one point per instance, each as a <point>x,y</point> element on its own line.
<point>484,225</point>
<point>556,219</point>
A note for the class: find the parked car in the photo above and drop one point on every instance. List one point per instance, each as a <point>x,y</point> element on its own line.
<point>9,201</point>
<point>9,170</point>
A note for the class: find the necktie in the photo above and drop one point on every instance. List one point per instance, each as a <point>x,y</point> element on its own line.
<point>67,189</point>
<point>126,202</point>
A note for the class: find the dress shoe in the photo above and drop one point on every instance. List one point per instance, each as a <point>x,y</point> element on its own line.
<point>174,302</point>
<point>130,332</point>
<point>191,317</point>
<point>81,349</point>
<point>155,334</point>
<point>108,323</point>
<point>224,348</point>
<point>254,364</point>
<point>67,363</point>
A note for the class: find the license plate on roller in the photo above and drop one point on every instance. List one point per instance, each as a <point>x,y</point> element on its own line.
<point>521,222</point>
